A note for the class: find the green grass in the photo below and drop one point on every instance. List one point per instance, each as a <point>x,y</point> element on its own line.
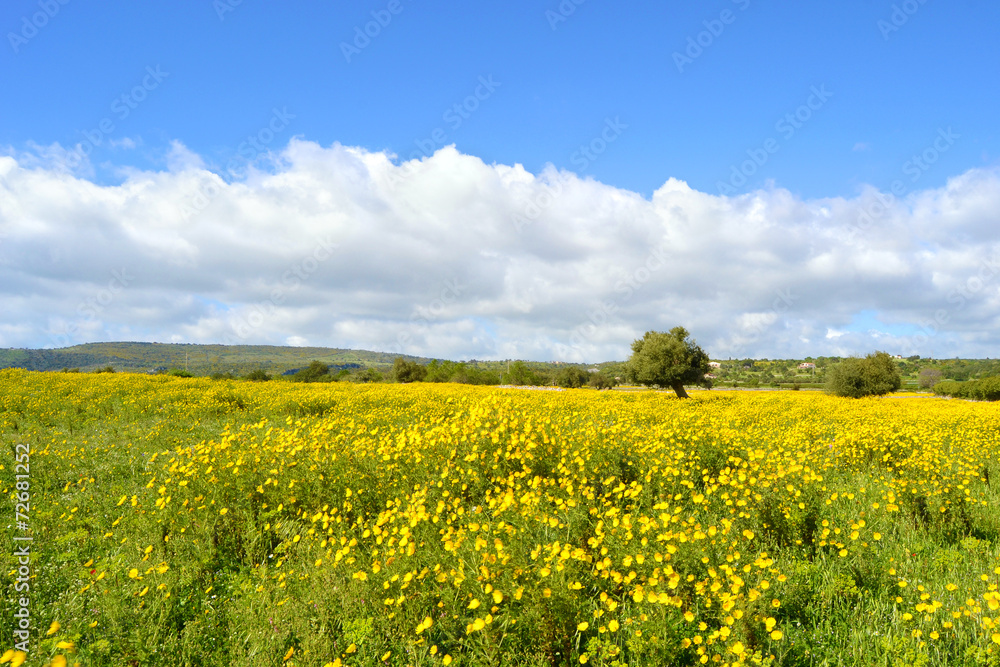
<point>92,447</point>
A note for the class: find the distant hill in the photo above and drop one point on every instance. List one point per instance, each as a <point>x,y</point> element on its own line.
<point>198,359</point>
<point>277,360</point>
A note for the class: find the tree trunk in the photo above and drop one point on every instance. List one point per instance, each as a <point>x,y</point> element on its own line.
<point>679,390</point>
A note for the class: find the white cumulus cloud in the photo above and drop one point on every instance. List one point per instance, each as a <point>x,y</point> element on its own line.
<point>451,257</point>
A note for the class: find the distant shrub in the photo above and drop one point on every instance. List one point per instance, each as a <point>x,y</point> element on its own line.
<point>603,381</point>
<point>874,375</point>
<point>257,375</point>
<point>368,375</point>
<point>459,372</point>
<point>572,377</point>
<point>408,371</point>
<point>987,389</point>
<point>106,369</point>
<point>948,388</point>
<point>520,374</point>
<point>314,372</point>
<point>928,377</point>
<point>180,373</point>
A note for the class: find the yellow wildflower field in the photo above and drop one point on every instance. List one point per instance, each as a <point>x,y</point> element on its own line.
<point>189,521</point>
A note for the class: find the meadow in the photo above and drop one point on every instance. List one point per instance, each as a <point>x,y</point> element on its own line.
<point>197,522</point>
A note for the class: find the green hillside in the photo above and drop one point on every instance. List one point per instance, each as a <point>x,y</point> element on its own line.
<point>198,359</point>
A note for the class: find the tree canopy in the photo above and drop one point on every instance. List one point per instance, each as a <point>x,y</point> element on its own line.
<point>408,371</point>
<point>875,375</point>
<point>670,359</point>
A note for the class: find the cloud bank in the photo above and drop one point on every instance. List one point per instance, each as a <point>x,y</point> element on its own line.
<point>450,257</point>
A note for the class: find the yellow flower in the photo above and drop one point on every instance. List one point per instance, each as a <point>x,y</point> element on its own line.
<point>776,635</point>
<point>582,627</point>
<point>613,625</point>
<point>446,660</point>
<point>59,661</point>
<point>737,648</point>
<point>288,655</point>
<point>54,628</point>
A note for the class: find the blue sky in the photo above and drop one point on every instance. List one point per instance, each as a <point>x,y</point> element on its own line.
<point>556,85</point>
<point>816,102</point>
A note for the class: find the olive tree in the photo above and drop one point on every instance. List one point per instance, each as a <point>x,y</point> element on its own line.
<point>874,375</point>
<point>670,359</point>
